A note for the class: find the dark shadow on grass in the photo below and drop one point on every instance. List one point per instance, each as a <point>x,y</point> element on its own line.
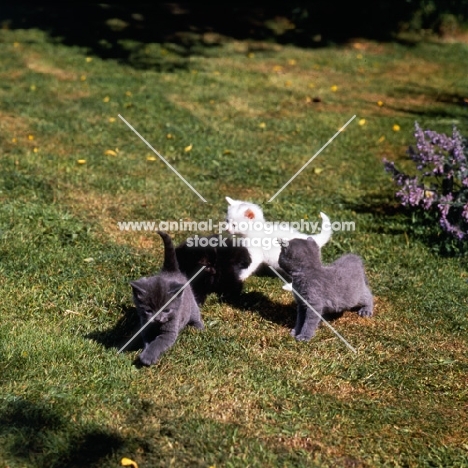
<point>395,219</point>
<point>281,314</point>
<point>428,94</point>
<point>90,448</point>
<point>42,435</point>
<point>24,186</point>
<point>257,302</point>
<point>120,29</point>
<point>117,336</point>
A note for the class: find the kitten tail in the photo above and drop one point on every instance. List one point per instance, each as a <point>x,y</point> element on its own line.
<point>326,232</point>
<point>170,259</point>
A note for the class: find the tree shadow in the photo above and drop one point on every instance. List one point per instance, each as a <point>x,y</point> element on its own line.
<point>417,224</point>
<point>122,30</point>
<point>390,217</point>
<point>42,435</point>
<point>431,95</point>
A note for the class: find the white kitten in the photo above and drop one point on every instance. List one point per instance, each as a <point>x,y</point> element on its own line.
<point>247,219</point>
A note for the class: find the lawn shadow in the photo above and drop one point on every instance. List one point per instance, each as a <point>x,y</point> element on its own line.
<point>43,436</point>
<point>177,30</point>
<point>428,94</point>
<point>281,314</point>
<point>126,327</point>
<point>390,217</point>
<point>412,223</point>
<point>256,302</point>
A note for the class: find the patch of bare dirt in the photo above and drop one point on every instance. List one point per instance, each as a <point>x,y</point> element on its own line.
<point>39,65</point>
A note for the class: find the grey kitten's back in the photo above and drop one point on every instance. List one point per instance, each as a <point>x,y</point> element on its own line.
<point>337,287</point>
<point>343,284</point>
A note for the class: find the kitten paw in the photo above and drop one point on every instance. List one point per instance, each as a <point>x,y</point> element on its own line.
<point>365,312</point>
<point>198,325</point>
<point>303,337</point>
<point>146,360</point>
<point>293,332</point>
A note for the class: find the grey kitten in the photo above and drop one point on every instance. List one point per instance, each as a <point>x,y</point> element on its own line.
<point>150,294</point>
<point>327,288</point>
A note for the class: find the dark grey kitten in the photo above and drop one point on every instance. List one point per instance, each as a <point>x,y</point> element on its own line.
<point>327,288</point>
<point>150,294</point>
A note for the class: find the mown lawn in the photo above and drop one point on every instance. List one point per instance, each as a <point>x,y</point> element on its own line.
<point>238,120</point>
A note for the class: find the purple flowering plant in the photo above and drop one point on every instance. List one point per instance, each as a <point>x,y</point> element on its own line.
<point>440,187</point>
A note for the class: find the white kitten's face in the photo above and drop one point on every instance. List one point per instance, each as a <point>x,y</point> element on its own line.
<point>242,215</point>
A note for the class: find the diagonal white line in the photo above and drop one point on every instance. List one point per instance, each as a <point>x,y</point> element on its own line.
<point>316,313</point>
<point>165,305</point>
<point>311,159</point>
<point>163,159</point>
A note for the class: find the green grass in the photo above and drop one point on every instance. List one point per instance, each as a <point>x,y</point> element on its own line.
<point>243,392</point>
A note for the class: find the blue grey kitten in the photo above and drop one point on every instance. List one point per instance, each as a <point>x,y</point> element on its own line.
<point>150,294</point>
<point>327,288</point>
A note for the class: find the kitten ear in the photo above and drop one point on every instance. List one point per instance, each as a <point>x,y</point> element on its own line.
<point>230,200</point>
<point>174,287</point>
<point>249,214</point>
<point>138,286</point>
